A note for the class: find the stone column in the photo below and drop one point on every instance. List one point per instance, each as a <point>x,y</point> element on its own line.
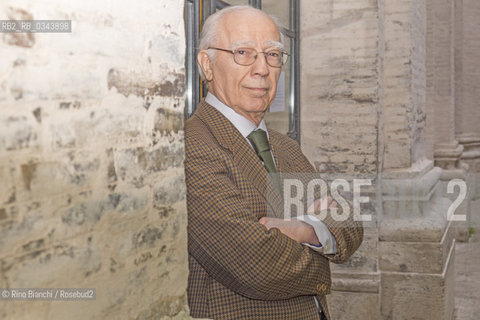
<point>364,112</point>
<point>416,242</point>
<point>467,90</point>
<point>441,104</point>
<point>440,62</point>
<point>339,94</point>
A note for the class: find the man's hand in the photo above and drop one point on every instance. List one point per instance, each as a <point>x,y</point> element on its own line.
<point>322,204</point>
<point>299,230</point>
<point>294,229</point>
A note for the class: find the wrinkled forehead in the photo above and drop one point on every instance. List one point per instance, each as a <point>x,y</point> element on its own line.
<point>248,28</point>
<point>252,44</point>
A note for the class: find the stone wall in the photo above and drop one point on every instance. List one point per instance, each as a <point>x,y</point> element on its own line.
<point>91,147</point>
<point>378,102</point>
<point>339,84</point>
<point>340,124</point>
<point>403,81</point>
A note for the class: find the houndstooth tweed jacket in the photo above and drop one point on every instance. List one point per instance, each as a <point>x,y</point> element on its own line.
<point>239,269</point>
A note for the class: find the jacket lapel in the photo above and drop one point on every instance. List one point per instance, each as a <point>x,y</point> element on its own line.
<point>243,155</point>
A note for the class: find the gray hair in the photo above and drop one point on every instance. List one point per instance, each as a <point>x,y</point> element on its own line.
<point>210,29</point>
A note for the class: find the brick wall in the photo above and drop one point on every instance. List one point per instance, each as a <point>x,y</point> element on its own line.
<point>91,151</point>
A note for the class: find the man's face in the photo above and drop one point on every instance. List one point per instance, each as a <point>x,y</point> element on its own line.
<point>249,90</point>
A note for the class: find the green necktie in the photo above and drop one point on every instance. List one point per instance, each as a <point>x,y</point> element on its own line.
<point>259,140</point>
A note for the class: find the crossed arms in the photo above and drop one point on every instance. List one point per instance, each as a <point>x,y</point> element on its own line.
<point>252,255</point>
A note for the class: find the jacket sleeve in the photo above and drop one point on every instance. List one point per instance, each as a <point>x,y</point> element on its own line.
<point>348,233</point>
<point>225,237</point>
<point>348,236</point>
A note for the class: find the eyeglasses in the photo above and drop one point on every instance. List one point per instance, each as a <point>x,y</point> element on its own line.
<point>247,56</point>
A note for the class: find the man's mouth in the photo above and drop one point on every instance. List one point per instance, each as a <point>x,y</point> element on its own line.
<point>258,90</point>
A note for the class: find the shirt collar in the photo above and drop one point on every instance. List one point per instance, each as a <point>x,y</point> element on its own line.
<point>242,124</point>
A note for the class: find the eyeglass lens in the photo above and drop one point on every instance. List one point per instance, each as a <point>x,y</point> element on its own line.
<point>247,56</point>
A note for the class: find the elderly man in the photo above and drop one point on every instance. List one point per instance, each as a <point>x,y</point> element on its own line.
<point>245,262</point>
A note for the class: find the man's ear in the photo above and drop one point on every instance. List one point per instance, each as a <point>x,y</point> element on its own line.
<point>204,61</point>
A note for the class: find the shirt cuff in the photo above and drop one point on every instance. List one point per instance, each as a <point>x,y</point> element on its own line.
<point>328,245</point>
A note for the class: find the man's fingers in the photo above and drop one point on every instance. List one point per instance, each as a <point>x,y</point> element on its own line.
<point>270,222</point>
<point>322,204</point>
<point>332,203</point>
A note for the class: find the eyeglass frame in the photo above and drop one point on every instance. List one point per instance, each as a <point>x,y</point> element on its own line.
<point>233,51</point>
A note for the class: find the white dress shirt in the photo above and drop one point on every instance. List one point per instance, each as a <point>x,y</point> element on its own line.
<point>245,126</point>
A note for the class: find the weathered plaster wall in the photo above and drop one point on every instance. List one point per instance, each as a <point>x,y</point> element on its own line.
<point>91,149</point>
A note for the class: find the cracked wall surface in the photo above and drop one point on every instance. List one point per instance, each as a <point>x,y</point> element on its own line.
<point>91,159</point>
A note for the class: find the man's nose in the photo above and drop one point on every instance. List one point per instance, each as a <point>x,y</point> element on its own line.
<point>260,66</point>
